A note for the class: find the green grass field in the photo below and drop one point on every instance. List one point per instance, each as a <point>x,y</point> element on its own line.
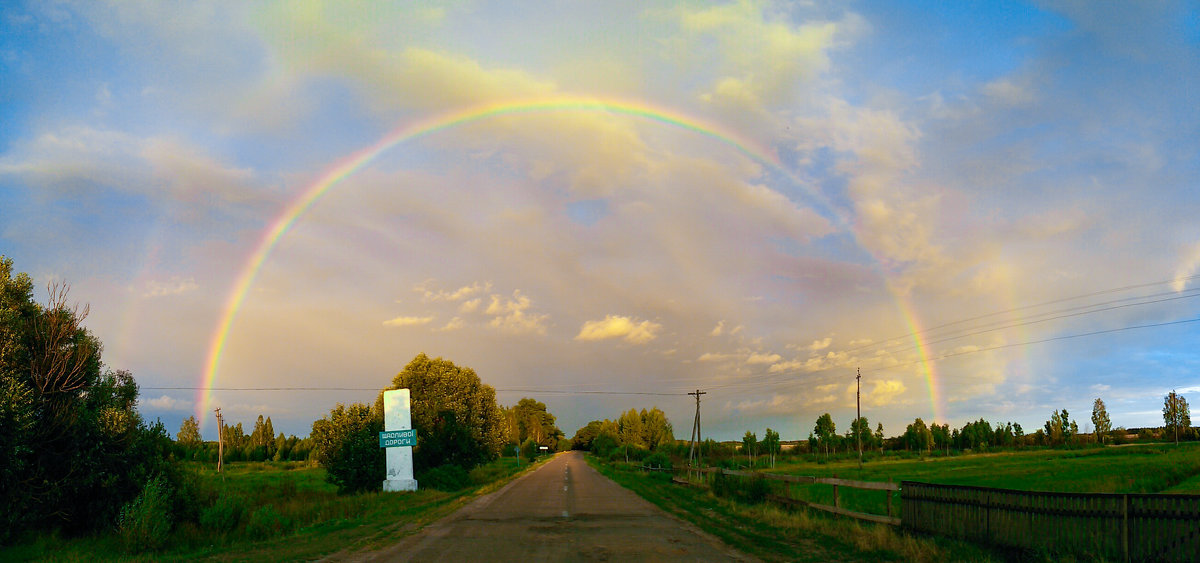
<point>1158,468</point>
<point>288,512</point>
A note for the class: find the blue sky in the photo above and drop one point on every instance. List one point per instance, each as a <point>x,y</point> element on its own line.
<point>985,166</point>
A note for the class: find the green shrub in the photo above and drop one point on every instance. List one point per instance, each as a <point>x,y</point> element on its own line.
<point>445,478</point>
<point>224,515</point>
<point>266,522</point>
<point>657,459</point>
<point>145,521</point>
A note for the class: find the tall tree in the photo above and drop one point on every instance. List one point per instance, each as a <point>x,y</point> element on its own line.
<point>631,433</point>
<point>917,435</point>
<point>1060,428</point>
<point>879,436</point>
<point>535,422</point>
<point>189,432</point>
<point>825,430</point>
<point>73,448</point>
<point>749,444</point>
<point>770,443</point>
<point>347,447</point>
<point>860,431</point>
<point>455,414</point>
<point>1176,414</point>
<point>656,429</point>
<point>1100,421</point>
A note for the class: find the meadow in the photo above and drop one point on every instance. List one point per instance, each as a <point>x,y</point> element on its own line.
<point>777,534</point>
<point>1149,468</point>
<point>277,511</point>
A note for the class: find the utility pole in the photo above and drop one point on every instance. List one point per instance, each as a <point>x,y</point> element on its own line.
<point>858,418</point>
<point>220,440</point>
<point>695,429</point>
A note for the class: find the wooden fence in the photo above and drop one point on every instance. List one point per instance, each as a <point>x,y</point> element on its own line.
<point>836,508</point>
<point>1128,527</point>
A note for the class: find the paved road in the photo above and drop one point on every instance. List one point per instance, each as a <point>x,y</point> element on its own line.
<point>564,511</point>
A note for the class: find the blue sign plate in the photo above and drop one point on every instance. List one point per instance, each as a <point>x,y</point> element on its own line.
<point>397,438</point>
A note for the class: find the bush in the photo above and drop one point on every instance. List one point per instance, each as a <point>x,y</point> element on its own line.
<point>657,459</point>
<point>348,447</point>
<point>445,478</point>
<point>224,515</point>
<point>146,521</point>
<point>266,522</point>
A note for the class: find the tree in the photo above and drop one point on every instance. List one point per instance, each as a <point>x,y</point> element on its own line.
<point>879,436</point>
<point>631,433</point>
<point>74,448</point>
<point>656,429</point>
<point>941,436</point>
<point>189,432</point>
<point>455,414</point>
<point>917,435</point>
<point>860,432</point>
<point>1176,413</point>
<point>347,446</point>
<point>825,430</point>
<point>535,422</point>
<point>1100,422</point>
<point>771,444</point>
<point>1060,428</point>
<point>749,444</point>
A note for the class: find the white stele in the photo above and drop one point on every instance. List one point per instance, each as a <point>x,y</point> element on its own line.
<point>397,416</point>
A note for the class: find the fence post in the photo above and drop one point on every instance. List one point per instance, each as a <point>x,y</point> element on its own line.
<point>889,495</point>
<point>1125,526</point>
<point>835,493</point>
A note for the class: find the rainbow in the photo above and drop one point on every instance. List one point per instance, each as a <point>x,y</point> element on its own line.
<point>908,312</point>
<point>347,166</point>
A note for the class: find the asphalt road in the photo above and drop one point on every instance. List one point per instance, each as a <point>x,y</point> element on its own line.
<point>564,511</point>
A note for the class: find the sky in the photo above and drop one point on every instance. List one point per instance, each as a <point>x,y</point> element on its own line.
<point>989,209</point>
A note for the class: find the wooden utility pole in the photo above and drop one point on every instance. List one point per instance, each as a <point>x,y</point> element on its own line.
<point>695,430</point>
<point>220,439</point>
<point>858,418</point>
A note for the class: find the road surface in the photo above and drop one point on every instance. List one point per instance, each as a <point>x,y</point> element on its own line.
<point>563,511</point>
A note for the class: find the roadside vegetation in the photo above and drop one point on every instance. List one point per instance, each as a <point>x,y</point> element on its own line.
<point>85,477</point>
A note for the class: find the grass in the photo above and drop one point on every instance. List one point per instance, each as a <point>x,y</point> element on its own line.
<point>776,534</point>
<point>308,519</point>
<point>1164,468</point>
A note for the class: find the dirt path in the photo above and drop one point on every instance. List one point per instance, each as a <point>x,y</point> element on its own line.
<point>564,511</point>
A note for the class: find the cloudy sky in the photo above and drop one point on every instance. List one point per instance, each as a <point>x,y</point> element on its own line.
<point>990,210</point>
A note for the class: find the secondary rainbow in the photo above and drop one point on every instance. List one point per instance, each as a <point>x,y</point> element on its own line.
<point>356,161</point>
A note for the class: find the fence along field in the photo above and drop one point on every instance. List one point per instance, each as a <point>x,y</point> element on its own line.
<point>1125,527</point>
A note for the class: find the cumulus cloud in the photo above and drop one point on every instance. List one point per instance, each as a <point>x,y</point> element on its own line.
<point>818,345</point>
<point>430,293</point>
<point>511,315</point>
<point>166,403</point>
<point>757,358</point>
<point>885,392</point>
<point>617,326</point>
<point>408,321</point>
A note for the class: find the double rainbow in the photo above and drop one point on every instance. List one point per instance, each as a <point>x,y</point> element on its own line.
<point>347,166</point>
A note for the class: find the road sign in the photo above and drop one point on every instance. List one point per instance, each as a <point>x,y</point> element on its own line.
<point>397,438</point>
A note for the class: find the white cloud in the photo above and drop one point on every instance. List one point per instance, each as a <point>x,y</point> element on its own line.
<point>408,321</point>
<point>884,392</point>
<point>818,345</point>
<point>510,315</point>
<point>717,330</point>
<point>166,403</point>
<point>617,326</point>
<point>763,358</point>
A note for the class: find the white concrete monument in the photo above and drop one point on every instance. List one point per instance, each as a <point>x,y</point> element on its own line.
<point>397,439</point>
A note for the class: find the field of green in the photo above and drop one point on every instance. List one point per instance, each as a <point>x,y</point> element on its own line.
<point>772,533</point>
<point>1155,468</point>
<point>281,511</point>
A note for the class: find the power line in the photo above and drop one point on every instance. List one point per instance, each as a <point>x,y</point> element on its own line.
<point>1033,306</point>
<point>752,385</point>
<point>551,391</point>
